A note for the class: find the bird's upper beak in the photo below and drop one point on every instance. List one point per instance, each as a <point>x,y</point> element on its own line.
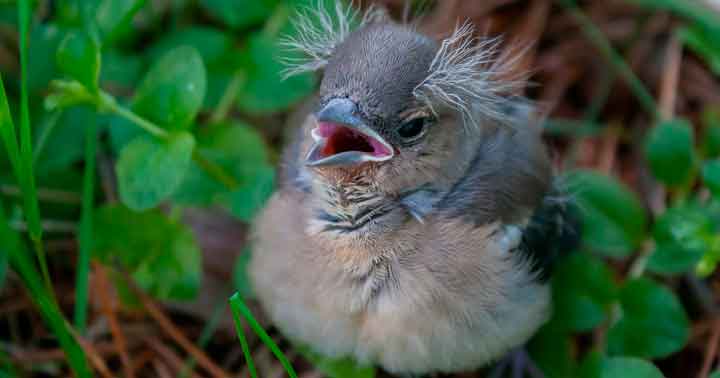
<point>342,138</point>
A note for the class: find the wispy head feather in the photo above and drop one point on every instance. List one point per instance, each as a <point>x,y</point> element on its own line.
<point>319,30</point>
<point>471,76</point>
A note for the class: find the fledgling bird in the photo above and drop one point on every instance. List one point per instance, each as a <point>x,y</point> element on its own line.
<point>416,219</point>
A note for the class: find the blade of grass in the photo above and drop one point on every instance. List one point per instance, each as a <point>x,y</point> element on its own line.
<point>26,158</point>
<point>7,131</point>
<point>692,10</point>
<point>23,265</point>
<point>239,307</point>
<point>241,336</point>
<point>595,35</point>
<point>86,231</point>
<point>27,179</point>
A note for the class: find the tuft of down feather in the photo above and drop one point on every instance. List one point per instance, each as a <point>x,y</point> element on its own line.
<point>467,74</point>
<point>319,30</point>
<point>471,76</point>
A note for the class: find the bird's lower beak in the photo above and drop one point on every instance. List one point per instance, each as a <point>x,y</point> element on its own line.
<point>342,138</point>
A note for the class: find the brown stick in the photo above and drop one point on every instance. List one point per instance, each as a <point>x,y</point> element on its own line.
<point>107,308</point>
<point>711,350</point>
<point>174,332</point>
<point>669,83</point>
<point>174,361</point>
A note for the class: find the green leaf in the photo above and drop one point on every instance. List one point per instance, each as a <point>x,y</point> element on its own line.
<point>653,322</point>
<point>711,176</point>
<point>711,137</point>
<point>682,236</point>
<point>239,13</point>
<point>241,280</point>
<point>583,291</point>
<point>628,368</point>
<point>336,367</point>
<point>235,147</point>
<point>705,42</point>
<point>60,148</point>
<point>613,220</point>
<point>669,151</point>
<point>161,254</point>
<point>251,196</point>
<point>173,90</point>
<point>265,90</point>
<point>120,69</point>
<point>44,40</point>
<point>715,374</point>
<point>550,349</point>
<point>78,56</point>
<point>591,365</point>
<point>212,44</point>
<point>149,170</point>
<point>114,17</point>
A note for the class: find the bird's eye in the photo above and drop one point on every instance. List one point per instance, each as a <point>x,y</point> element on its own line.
<point>414,128</point>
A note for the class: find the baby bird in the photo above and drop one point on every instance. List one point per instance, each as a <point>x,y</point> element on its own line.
<point>416,219</point>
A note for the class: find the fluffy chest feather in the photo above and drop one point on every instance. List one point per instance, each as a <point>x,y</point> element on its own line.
<point>438,296</point>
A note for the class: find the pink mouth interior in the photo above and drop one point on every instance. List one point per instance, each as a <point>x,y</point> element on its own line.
<point>340,139</point>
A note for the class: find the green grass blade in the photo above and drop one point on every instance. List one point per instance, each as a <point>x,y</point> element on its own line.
<point>22,264</point>
<point>7,131</point>
<point>241,335</point>
<point>86,231</point>
<point>26,157</point>
<point>27,173</point>
<point>238,306</point>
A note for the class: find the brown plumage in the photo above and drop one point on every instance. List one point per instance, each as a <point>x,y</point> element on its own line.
<point>403,232</point>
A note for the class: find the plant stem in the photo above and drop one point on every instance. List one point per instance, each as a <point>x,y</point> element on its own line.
<point>146,125</point>
<point>215,171</point>
<point>275,22</point>
<point>238,307</point>
<point>106,101</point>
<point>228,97</point>
<point>86,229</point>
<point>45,134</point>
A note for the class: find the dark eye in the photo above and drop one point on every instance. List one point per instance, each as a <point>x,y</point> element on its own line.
<point>413,128</point>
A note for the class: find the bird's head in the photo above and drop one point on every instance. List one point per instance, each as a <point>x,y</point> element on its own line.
<point>395,105</point>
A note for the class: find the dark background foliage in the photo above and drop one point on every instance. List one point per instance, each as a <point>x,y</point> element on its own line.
<point>140,137</point>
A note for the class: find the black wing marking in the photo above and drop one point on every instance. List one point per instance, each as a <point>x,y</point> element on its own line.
<point>554,230</point>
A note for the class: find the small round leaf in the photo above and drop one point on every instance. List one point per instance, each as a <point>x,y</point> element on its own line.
<point>235,147</point>
<point>161,254</point>
<point>266,91</point>
<point>681,237</point>
<point>628,368</point>
<point>613,220</point>
<point>653,322</point>
<point>78,56</point>
<point>240,13</point>
<point>149,170</point>
<point>669,151</point>
<point>583,290</point>
<point>173,90</point>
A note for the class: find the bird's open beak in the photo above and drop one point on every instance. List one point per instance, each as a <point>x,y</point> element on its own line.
<point>342,138</point>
